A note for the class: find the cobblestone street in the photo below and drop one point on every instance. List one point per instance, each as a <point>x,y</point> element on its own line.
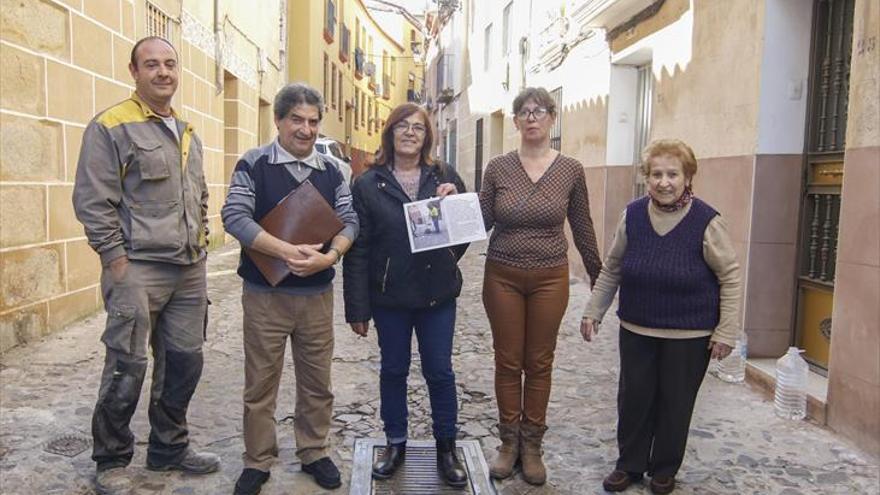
<point>737,445</point>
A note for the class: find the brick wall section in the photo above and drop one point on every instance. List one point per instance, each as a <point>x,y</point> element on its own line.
<point>61,62</point>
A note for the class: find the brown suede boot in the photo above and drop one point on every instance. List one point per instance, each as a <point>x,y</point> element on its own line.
<point>508,452</point>
<point>530,453</point>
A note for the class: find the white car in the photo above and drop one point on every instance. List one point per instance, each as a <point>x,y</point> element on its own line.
<point>332,148</point>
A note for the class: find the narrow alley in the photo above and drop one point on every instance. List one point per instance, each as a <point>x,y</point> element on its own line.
<point>736,446</point>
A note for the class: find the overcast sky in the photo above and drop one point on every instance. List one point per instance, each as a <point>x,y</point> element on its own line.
<point>414,6</point>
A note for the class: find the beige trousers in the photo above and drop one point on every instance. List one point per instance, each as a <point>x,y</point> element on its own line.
<point>272,319</point>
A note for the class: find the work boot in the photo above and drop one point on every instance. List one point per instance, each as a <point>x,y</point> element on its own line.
<point>113,481</point>
<point>192,462</point>
<point>450,468</point>
<point>508,451</point>
<point>391,459</point>
<point>530,453</point>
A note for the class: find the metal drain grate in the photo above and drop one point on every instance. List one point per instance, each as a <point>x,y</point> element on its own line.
<point>67,445</point>
<point>418,473</point>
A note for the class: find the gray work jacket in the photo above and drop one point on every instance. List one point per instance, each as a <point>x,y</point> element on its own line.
<point>139,192</point>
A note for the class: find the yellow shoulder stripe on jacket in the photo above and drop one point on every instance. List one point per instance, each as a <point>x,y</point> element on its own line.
<point>126,112</point>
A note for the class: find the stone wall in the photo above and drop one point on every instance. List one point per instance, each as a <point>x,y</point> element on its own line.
<point>60,64</point>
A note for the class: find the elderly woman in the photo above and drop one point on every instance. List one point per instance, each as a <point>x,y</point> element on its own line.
<point>527,195</point>
<point>385,282</point>
<point>679,305</point>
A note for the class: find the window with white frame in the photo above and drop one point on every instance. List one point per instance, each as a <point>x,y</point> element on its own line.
<point>487,47</point>
<point>505,30</point>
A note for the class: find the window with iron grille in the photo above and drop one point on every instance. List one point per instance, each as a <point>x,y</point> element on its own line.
<point>556,130</point>
<point>158,22</point>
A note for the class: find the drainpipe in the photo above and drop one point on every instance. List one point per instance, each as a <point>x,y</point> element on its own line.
<point>282,52</point>
<point>218,50</point>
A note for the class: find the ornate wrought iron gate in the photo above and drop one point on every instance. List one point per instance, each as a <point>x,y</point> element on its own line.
<point>825,145</point>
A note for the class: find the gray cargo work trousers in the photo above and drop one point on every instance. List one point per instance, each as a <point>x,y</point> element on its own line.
<point>163,305</point>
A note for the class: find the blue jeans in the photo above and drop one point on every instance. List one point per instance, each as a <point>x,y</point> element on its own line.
<point>434,330</point>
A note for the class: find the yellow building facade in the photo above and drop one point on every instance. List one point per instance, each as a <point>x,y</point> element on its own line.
<point>363,70</point>
<point>61,62</point>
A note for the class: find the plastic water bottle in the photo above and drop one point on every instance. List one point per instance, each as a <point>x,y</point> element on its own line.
<point>732,369</point>
<point>791,385</point>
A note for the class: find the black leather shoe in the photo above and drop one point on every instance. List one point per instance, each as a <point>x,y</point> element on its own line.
<point>326,473</point>
<point>450,468</point>
<point>251,481</point>
<point>391,459</point>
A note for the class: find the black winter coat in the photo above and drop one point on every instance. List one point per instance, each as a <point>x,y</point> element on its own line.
<point>380,270</point>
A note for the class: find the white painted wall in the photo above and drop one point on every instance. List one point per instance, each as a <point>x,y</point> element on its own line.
<point>785,66</point>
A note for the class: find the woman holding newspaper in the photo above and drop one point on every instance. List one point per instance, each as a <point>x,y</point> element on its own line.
<point>384,281</point>
<point>527,195</point>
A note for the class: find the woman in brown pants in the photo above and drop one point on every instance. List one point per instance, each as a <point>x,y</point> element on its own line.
<point>527,195</point>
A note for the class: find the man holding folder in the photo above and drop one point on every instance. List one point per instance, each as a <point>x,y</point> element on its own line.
<point>300,306</point>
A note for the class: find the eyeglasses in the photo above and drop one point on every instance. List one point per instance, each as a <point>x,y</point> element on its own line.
<point>403,127</point>
<point>538,113</point>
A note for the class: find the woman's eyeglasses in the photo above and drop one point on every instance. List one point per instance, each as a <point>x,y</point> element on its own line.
<point>537,113</point>
<point>403,127</point>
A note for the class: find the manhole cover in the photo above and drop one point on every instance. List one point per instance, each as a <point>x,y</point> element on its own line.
<point>418,473</point>
<point>68,445</point>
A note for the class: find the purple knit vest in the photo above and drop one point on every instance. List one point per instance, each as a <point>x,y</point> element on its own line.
<point>665,282</point>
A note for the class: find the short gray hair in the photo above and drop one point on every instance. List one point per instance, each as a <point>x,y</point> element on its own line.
<point>537,94</point>
<point>295,94</point>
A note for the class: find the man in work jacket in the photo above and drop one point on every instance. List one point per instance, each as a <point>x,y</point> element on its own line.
<point>141,195</point>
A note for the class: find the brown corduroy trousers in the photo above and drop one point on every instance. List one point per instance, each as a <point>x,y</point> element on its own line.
<point>525,308</point>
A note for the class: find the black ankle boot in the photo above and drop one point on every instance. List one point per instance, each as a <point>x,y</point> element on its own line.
<point>391,459</point>
<point>450,468</point>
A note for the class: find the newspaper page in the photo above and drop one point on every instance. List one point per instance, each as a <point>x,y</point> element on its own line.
<point>440,222</point>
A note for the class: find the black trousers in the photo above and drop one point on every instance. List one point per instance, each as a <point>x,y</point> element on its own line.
<point>659,381</point>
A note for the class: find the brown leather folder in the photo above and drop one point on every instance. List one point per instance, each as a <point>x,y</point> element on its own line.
<point>302,217</point>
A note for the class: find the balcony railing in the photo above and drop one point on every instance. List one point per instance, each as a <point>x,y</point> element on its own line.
<point>344,43</point>
<point>445,95</point>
